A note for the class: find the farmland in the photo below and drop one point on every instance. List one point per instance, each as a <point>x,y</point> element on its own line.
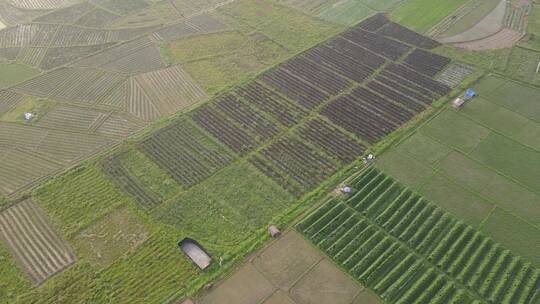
<point>489,155</point>
<point>158,121</point>
<point>406,249</point>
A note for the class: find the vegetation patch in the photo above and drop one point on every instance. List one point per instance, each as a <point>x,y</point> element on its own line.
<point>115,235</point>
<point>421,15</point>
<point>14,73</point>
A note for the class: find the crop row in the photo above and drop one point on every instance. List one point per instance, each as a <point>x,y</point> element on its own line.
<point>452,251</point>
<point>426,62</point>
<point>455,74</point>
<point>419,80</point>
<point>316,74</point>
<point>386,90</point>
<point>183,151</point>
<point>374,22</point>
<point>298,161</point>
<point>376,43</point>
<point>224,129</point>
<point>247,117</point>
<point>279,108</point>
<point>171,89</point>
<point>128,183</point>
<point>199,24</point>
<point>406,35</point>
<point>378,260</point>
<point>331,140</point>
<point>284,82</point>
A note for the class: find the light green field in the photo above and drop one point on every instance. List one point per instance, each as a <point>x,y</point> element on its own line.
<point>533,29</point>
<point>346,12</point>
<point>214,73</point>
<point>473,160</point>
<point>511,159</point>
<point>299,32</point>
<point>490,60</point>
<point>11,73</point>
<point>14,282</point>
<point>421,15</point>
<point>78,198</point>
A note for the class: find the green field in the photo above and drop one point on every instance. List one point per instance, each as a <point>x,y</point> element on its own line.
<point>14,282</point>
<point>224,210</point>
<point>11,73</point>
<point>421,15</point>
<point>449,211</point>
<point>478,164</point>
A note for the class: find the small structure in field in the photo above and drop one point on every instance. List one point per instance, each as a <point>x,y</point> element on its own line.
<point>195,252</point>
<point>346,190</point>
<point>274,231</point>
<point>458,103</point>
<point>28,116</point>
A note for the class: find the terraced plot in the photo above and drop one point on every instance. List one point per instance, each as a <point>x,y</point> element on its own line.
<point>38,248</point>
<point>408,250</point>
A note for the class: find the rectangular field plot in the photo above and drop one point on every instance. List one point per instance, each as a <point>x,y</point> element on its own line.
<point>332,140</point>
<point>294,165</point>
<point>366,114</point>
<point>129,183</point>
<point>408,250</point>
<point>233,136</point>
<point>37,247</point>
<point>20,169</point>
<point>170,89</point>
<point>185,152</point>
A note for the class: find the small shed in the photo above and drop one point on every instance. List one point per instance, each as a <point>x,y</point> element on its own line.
<point>195,252</point>
<point>274,231</point>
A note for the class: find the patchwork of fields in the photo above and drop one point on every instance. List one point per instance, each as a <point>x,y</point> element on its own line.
<point>254,110</point>
<point>283,133</point>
